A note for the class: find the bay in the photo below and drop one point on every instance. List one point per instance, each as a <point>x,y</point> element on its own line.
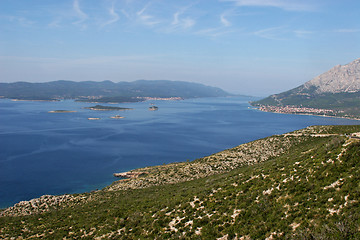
<point>57,153</point>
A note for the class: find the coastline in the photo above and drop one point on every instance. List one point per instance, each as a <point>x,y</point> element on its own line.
<point>221,162</point>
<point>108,123</point>
<point>260,108</point>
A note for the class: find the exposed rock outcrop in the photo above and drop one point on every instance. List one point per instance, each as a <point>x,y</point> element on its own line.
<point>333,93</point>
<point>42,204</point>
<point>129,174</point>
<point>339,79</point>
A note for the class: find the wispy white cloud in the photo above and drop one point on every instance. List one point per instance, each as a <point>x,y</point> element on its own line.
<point>282,33</point>
<point>141,12</point>
<point>176,18</point>
<point>146,19</point>
<point>274,33</point>
<point>23,21</point>
<point>80,14</point>
<point>347,30</point>
<point>90,60</point>
<point>45,69</point>
<point>288,5</point>
<point>55,23</point>
<point>183,23</point>
<point>224,21</point>
<point>214,32</point>
<point>302,33</point>
<point>126,14</point>
<point>188,23</point>
<point>114,16</point>
<point>221,30</point>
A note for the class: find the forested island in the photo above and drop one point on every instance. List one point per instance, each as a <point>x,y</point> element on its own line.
<point>153,108</point>
<point>117,117</point>
<point>107,108</point>
<point>62,111</point>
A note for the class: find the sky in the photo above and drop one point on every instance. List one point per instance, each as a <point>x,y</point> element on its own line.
<point>253,47</point>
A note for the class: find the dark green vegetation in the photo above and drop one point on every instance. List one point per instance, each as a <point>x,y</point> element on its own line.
<point>346,104</point>
<point>153,108</point>
<point>107,108</point>
<point>107,91</point>
<point>301,185</point>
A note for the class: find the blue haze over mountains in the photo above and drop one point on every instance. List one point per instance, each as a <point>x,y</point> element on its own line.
<point>125,91</point>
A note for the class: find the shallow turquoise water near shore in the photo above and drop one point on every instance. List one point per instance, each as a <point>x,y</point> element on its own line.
<point>56,153</point>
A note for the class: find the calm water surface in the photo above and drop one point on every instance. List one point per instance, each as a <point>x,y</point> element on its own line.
<point>56,153</point>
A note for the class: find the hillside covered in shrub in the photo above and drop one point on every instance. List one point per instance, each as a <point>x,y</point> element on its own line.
<point>300,185</point>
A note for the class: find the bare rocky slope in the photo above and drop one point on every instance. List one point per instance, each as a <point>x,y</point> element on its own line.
<point>339,79</point>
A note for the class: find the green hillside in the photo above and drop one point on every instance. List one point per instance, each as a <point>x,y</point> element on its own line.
<point>301,185</point>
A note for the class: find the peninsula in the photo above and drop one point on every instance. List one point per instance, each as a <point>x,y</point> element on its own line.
<point>334,93</point>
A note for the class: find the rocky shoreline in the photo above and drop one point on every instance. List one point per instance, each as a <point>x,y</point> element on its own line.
<point>130,174</point>
<point>247,154</point>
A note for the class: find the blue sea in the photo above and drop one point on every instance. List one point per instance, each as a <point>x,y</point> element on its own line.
<point>57,153</point>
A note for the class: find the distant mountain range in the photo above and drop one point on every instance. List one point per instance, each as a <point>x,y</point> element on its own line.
<point>335,92</point>
<point>107,91</point>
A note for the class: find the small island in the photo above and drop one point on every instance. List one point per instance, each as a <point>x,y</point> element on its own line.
<point>107,108</point>
<point>61,111</point>
<point>116,117</point>
<point>153,108</point>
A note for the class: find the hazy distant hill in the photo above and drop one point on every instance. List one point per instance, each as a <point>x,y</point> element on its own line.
<point>337,89</point>
<point>107,90</point>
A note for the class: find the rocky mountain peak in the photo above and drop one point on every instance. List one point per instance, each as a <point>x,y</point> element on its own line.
<point>341,78</point>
